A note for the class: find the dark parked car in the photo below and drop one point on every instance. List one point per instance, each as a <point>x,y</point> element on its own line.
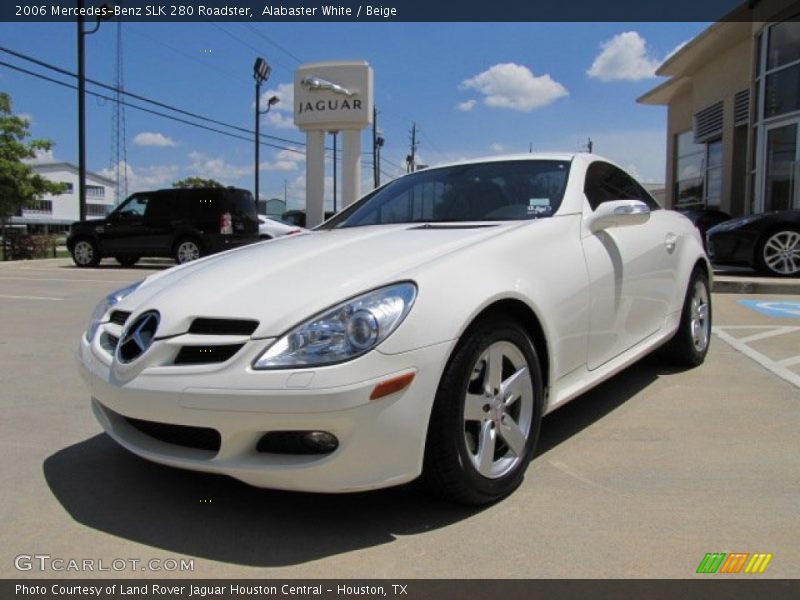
<point>298,217</point>
<point>769,242</point>
<point>704,219</point>
<point>182,223</point>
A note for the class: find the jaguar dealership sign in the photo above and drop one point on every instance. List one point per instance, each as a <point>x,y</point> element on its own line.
<point>332,97</point>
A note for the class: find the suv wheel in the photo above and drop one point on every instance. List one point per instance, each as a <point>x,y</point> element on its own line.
<point>85,253</point>
<point>187,250</point>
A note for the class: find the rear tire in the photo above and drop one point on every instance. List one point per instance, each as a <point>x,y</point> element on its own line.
<point>486,415</point>
<point>85,253</point>
<point>127,261</point>
<point>187,250</point>
<point>689,346</point>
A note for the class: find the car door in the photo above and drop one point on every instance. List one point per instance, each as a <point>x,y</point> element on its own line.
<point>631,268</point>
<point>162,219</point>
<point>124,227</point>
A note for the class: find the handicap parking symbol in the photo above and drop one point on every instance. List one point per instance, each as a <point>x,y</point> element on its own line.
<point>774,308</point>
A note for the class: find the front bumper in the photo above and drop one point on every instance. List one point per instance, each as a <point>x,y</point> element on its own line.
<point>381,442</point>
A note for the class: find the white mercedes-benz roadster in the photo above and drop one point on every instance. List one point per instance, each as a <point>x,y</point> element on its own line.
<point>424,330</point>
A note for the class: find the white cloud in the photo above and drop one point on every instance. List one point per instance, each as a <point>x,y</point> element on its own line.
<point>152,138</point>
<point>624,57</point>
<point>280,120</point>
<point>284,160</point>
<point>216,167</point>
<point>281,115</point>
<point>27,117</point>
<point>466,106</point>
<point>514,86</point>
<point>144,178</point>
<point>497,147</point>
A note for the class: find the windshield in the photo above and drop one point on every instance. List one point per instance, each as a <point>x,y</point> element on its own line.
<point>490,191</point>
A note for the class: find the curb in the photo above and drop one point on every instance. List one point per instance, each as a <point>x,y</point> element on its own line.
<point>750,285</point>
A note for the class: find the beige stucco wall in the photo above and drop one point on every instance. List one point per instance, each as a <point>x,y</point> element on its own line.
<point>730,73</point>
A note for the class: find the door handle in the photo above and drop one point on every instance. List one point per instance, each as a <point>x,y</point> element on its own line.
<point>670,242</point>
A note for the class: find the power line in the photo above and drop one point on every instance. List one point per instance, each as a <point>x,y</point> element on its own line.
<point>190,57</point>
<point>250,46</point>
<point>147,110</point>
<point>144,98</point>
<point>274,43</point>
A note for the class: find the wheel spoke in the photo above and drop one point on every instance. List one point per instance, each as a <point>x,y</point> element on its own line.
<point>473,407</point>
<point>512,434</point>
<point>486,444</point>
<point>511,389</point>
<point>494,369</point>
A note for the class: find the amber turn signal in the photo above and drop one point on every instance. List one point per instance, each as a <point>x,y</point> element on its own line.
<point>390,386</point>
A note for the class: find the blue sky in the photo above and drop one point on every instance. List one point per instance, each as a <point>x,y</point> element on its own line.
<point>473,89</point>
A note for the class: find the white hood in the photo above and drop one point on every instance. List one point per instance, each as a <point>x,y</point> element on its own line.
<point>284,281</point>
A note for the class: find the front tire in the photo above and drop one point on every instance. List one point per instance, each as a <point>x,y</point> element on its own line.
<point>779,253</point>
<point>187,250</point>
<point>486,415</point>
<point>690,344</point>
<point>85,253</point>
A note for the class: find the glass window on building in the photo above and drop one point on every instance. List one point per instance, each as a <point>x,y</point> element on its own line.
<point>782,82</point>
<point>713,174</point>
<point>95,191</point>
<point>690,160</point>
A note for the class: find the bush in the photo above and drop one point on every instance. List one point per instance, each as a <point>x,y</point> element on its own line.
<point>24,246</point>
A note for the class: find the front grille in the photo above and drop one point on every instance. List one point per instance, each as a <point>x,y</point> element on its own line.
<point>205,355</point>
<point>206,326</point>
<point>119,317</point>
<point>109,342</point>
<point>199,438</point>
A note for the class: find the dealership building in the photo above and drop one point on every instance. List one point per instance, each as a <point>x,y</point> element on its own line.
<point>53,213</point>
<point>733,120</point>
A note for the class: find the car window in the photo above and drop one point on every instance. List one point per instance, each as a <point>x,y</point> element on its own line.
<point>605,182</point>
<point>490,191</point>
<point>135,206</point>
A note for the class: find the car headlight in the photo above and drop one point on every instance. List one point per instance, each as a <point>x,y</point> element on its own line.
<point>343,332</point>
<point>104,305</point>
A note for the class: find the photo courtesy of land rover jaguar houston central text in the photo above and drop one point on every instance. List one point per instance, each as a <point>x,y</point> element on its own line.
<point>424,330</point>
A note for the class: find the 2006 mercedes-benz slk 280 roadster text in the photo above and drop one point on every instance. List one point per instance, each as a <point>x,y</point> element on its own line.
<point>425,329</point>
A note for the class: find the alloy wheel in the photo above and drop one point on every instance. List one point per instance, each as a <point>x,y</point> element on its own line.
<point>699,322</point>
<point>498,410</point>
<point>781,253</point>
<point>188,251</point>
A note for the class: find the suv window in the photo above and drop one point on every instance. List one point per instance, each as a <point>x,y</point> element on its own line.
<point>605,182</point>
<point>135,206</point>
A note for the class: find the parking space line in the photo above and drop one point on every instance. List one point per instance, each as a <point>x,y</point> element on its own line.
<point>776,367</point>
<point>766,334</point>
<point>790,362</point>
<point>29,297</point>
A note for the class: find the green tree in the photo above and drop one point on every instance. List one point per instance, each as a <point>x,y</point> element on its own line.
<point>197,182</point>
<point>19,185</point>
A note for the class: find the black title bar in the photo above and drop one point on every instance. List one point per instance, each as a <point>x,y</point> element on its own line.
<point>395,10</point>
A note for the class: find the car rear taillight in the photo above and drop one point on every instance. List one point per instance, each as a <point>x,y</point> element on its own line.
<point>226,224</point>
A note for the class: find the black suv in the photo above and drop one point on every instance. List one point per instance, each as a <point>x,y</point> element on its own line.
<point>182,223</point>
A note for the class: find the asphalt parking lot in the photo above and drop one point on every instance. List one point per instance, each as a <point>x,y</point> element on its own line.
<point>639,478</point>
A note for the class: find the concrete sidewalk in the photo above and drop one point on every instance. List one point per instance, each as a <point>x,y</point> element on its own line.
<point>726,282</point>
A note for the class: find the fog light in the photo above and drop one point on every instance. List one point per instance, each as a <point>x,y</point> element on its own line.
<point>321,441</point>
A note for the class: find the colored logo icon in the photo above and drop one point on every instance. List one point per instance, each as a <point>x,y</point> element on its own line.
<point>734,562</point>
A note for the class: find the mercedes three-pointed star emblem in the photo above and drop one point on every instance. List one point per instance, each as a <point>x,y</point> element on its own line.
<point>137,338</point>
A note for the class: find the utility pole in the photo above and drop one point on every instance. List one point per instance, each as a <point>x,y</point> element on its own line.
<point>82,106</point>
<point>411,159</point>
<point>589,145</point>
<point>261,72</point>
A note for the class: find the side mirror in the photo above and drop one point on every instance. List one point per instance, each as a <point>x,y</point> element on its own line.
<point>619,213</point>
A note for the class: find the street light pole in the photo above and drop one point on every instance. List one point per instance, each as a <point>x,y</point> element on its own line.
<point>261,72</point>
<point>335,135</point>
<point>82,106</point>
